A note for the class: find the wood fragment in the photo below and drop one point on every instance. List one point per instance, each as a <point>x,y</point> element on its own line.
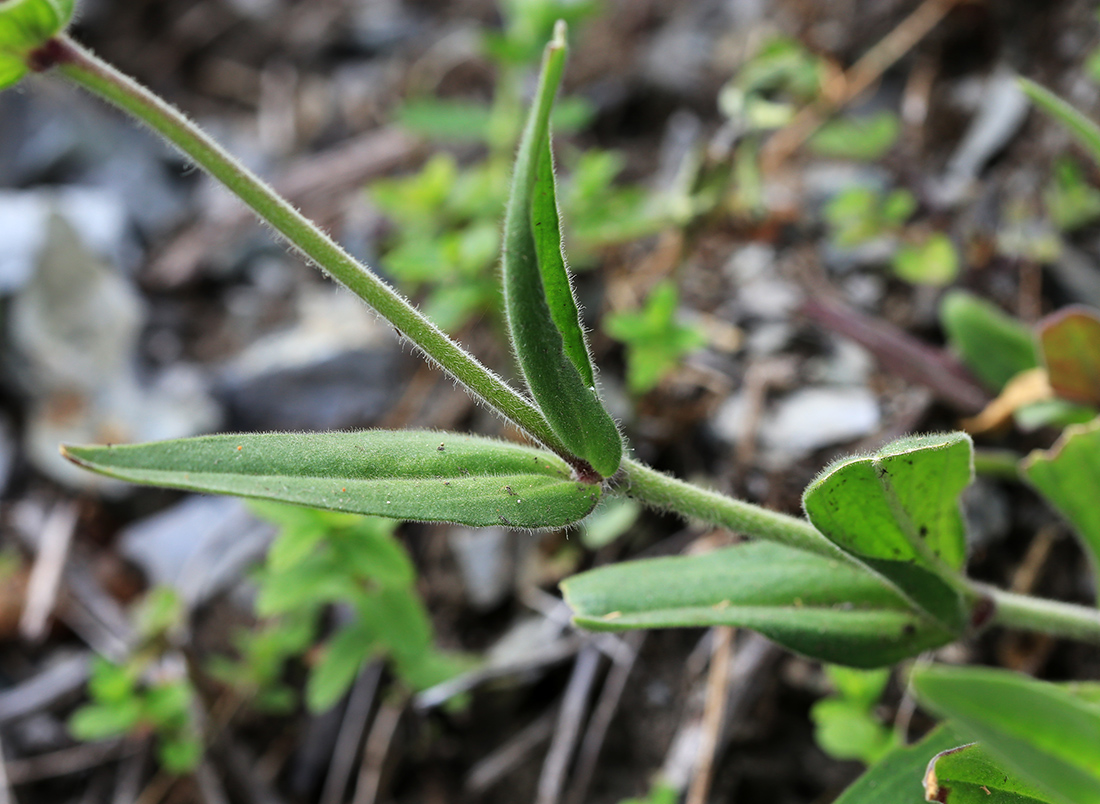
<point>45,580</point>
<point>352,727</point>
<point>570,719</point>
<point>602,714</point>
<point>368,786</point>
<point>714,714</point>
<point>503,760</point>
<point>858,78</point>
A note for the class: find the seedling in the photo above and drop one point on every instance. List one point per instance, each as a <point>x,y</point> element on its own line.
<point>846,726</point>
<point>320,558</point>
<point>150,693</point>
<point>859,215</point>
<point>873,575</point>
<point>655,341</point>
<point>446,217</point>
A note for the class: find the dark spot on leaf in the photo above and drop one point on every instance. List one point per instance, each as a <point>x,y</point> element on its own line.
<point>923,530</point>
<point>908,629</point>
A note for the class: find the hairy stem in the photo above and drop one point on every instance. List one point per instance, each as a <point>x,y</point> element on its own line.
<point>664,491</point>
<point>1044,616</point>
<point>90,72</point>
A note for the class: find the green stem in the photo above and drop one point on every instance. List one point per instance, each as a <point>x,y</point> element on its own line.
<point>1044,616</point>
<point>90,72</point>
<point>1003,464</point>
<point>664,491</point>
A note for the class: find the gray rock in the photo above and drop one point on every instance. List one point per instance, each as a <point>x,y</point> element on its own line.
<point>199,547</point>
<point>485,563</point>
<point>817,417</point>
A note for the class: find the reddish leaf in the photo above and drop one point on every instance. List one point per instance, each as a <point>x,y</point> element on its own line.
<point>1070,341</point>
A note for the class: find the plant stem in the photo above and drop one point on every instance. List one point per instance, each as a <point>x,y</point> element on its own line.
<point>85,69</point>
<point>1044,616</point>
<point>1002,464</point>
<point>664,491</point>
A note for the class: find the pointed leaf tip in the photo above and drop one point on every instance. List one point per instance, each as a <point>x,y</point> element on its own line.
<point>543,319</point>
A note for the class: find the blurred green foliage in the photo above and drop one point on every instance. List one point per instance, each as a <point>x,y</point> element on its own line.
<point>655,340</point>
<point>321,558</point>
<point>149,693</point>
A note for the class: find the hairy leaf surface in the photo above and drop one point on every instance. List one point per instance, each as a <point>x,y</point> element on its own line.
<point>821,608</point>
<point>897,512</point>
<point>542,313</point>
<point>404,475</point>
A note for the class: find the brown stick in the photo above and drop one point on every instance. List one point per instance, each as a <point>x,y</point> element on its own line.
<point>868,69</point>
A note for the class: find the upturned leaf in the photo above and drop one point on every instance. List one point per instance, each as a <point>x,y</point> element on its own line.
<point>897,512</point>
<point>969,774</point>
<point>1068,475</point>
<point>542,312</point>
<point>1070,343</point>
<point>1048,735</point>
<point>896,777</point>
<point>26,25</point>
<point>821,608</point>
<point>403,475</point>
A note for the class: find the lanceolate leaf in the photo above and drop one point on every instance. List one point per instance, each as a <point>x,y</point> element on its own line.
<point>1046,734</point>
<point>542,313</point>
<point>969,774</point>
<point>897,511</point>
<point>26,25</point>
<point>821,608</point>
<point>404,475</point>
<point>993,345</point>
<point>1084,130</point>
<point>896,778</point>
<point>1068,475</point>
<point>1070,341</point>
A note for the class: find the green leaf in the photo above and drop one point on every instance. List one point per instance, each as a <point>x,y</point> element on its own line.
<point>655,340</point>
<point>613,517</point>
<point>866,138</point>
<point>180,753</point>
<point>26,25</point>
<point>160,611</point>
<point>845,730</point>
<point>404,475</point>
<point>1071,201</point>
<point>933,262</point>
<point>100,721</point>
<point>333,675</point>
<point>821,608</point>
<point>897,511</point>
<point>993,345</point>
<point>1070,342</point>
<point>896,777</point>
<point>969,774</point>
<point>168,706</point>
<point>1048,735</point>
<point>110,682</point>
<point>1086,131</point>
<point>861,687</point>
<point>1068,476</point>
<point>454,120</point>
<point>542,313</point>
